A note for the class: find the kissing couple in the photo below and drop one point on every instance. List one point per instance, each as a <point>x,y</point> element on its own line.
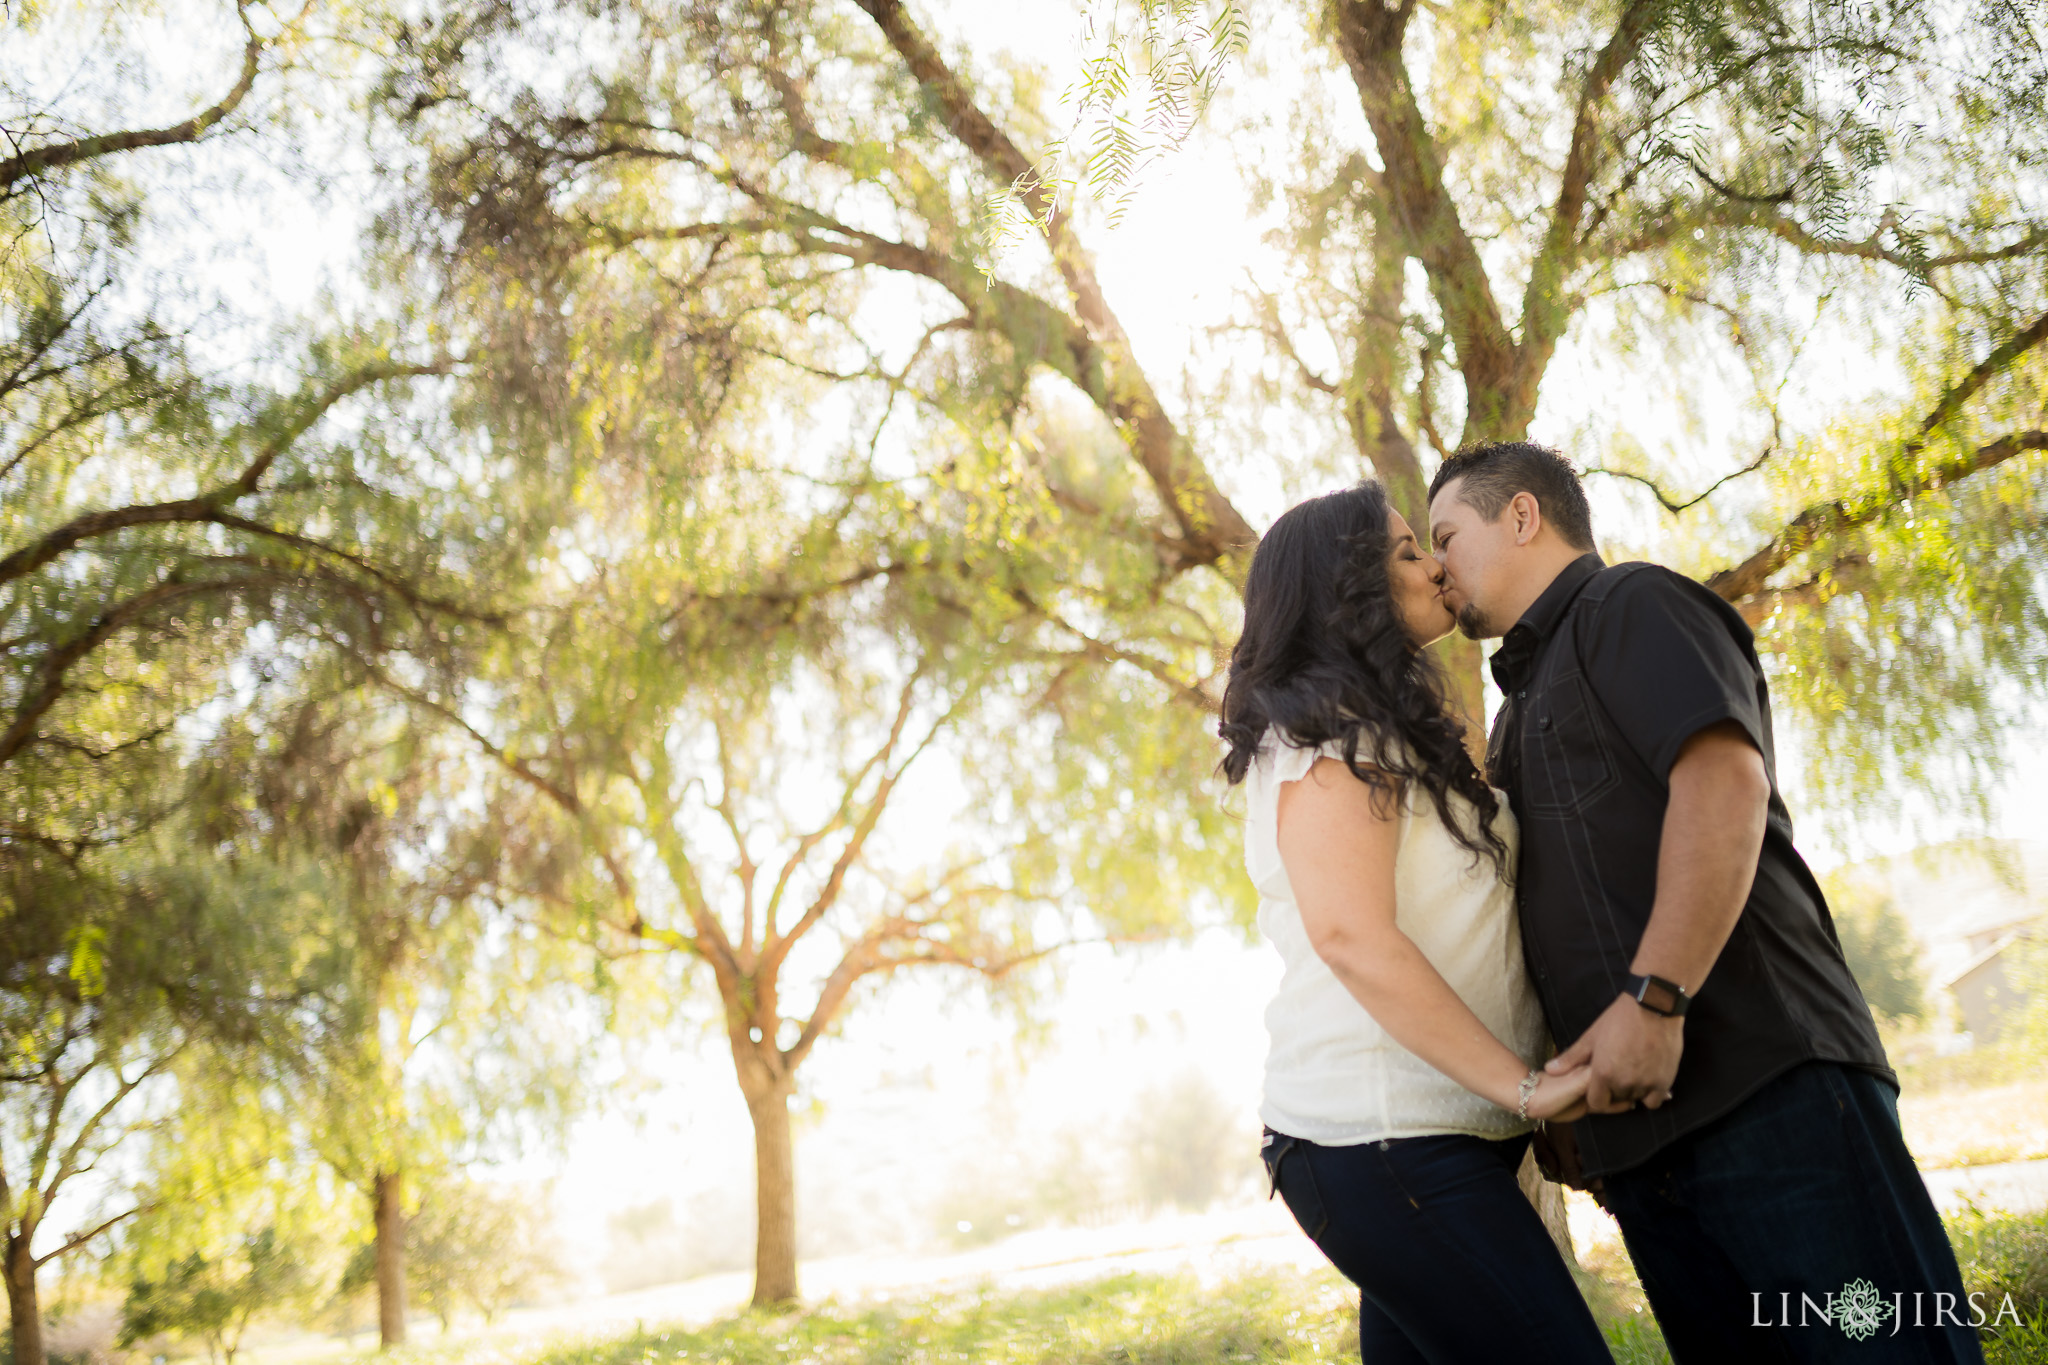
<point>1620,879</point>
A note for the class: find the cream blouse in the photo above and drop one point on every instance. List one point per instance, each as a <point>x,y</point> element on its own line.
<point>1333,1075</point>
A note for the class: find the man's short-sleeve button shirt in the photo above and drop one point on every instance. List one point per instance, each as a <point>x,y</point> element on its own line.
<point>1604,679</point>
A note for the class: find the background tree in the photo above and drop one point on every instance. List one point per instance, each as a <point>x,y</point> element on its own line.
<point>214,1301</point>
<point>461,1036</point>
<point>751,826</point>
<point>1879,947</point>
<point>480,1247</point>
<point>165,979</point>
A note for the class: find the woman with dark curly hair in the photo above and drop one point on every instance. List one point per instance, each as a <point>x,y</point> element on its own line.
<point>1406,1067</point>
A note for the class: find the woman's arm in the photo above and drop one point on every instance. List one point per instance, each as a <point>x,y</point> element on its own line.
<point>1339,854</point>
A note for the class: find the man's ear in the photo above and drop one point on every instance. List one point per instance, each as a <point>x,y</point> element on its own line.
<point>1528,517</point>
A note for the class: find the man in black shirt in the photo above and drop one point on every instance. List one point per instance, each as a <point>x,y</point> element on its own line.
<point>1745,1127</point>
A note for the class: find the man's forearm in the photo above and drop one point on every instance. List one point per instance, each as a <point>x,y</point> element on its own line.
<point>1707,858</point>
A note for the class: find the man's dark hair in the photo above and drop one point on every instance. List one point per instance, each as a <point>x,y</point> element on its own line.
<point>1495,472</point>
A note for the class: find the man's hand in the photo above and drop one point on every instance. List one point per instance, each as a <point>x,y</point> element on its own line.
<point>1633,1054</point>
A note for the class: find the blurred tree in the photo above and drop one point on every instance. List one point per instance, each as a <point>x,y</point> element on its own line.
<point>1187,1144</point>
<point>479,1246</point>
<point>179,551</point>
<point>759,627</point>
<point>214,1301</point>
<point>463,1033</point>
<point>151,987</point>
<point>751,826</point>
<point>1878,944</point>
<point>150,514</point>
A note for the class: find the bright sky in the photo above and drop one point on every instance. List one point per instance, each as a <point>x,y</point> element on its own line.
<point>898,1113</point>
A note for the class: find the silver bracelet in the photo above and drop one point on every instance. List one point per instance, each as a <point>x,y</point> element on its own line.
<point>1528,1092</point>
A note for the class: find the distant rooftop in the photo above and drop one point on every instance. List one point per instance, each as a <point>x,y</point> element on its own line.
<point>1960,897</point>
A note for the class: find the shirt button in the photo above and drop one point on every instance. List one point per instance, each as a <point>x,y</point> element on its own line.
<point>1523,696</point>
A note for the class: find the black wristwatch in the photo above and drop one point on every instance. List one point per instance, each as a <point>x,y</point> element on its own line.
<point>1658,996</point>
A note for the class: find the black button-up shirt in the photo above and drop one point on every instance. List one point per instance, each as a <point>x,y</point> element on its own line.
<point>1606,676</point>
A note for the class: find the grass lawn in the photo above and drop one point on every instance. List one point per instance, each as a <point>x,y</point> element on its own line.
<point>1139,1319</point>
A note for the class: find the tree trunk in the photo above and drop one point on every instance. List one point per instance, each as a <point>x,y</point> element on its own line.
<point>1549,1202</point>
<point>390,1215</point>
<point>774,1198</point>
<point>24,1314</point>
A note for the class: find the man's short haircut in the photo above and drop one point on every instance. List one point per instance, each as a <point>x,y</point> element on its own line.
<point>1495,472</point>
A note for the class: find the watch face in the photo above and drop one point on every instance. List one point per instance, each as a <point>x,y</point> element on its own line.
<point>1658,995</point>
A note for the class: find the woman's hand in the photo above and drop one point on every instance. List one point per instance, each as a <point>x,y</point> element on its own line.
<point>1561,1098</point>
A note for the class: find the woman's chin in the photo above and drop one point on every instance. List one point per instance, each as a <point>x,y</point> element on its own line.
<point>1427,632</point>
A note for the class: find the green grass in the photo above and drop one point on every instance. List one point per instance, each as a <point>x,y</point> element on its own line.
<point>1122,1320</point>
<point>1132,1319</point>
<point>2001,1254</point>
<point>1258,1319</point>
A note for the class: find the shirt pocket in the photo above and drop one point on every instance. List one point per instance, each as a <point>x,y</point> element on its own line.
<point>1566,762</point>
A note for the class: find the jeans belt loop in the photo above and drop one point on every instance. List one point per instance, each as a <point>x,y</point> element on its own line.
<point>1282,1145</point>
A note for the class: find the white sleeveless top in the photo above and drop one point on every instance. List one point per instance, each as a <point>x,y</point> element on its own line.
<point>1333,1076</point>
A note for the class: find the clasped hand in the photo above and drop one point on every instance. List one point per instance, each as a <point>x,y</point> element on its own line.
<point>1629,1056</point>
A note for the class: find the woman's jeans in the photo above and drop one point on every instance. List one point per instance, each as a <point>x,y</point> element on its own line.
<point>1451,1262</point>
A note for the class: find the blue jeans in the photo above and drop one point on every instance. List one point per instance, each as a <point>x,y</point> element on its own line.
<point>1802,1189</point>
<point>1451,1262</point>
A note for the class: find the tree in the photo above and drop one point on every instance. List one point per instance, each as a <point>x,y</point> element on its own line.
<point>741,815</point>
<point>1843,142</point>
<point>152,508</point>
<point>1878,945</point>
<point>154,985</point>
<point>1521,180</point>
<point>458,1035</point>
<point>179,546</point>
<point>214,1301</point>
<point>478,1246</point>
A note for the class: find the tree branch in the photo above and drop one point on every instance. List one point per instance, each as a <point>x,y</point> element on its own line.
<point>67,1165</point>
<point>775,951</point>
<point>1214,530</point>
<point>1667,500</point>
<point>1545,310</point>
<point>1906,480</point>
<point>47,684</point>
<point>1828,519</point>
<point>78,1240</point>
<point>206,506</point>
<point>1369,35</point>
<point>58,155</point>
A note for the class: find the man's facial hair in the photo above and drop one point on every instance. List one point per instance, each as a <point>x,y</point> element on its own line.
<point>1472,623</point>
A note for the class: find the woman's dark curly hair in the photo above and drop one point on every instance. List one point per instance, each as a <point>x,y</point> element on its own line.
<point>1323,657</point>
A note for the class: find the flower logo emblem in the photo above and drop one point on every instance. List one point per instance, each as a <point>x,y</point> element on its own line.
<point>1860,1310</point>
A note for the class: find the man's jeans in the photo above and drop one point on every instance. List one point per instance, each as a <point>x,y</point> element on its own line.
<point>1452,1264</point>
<point>1743,1229</point>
